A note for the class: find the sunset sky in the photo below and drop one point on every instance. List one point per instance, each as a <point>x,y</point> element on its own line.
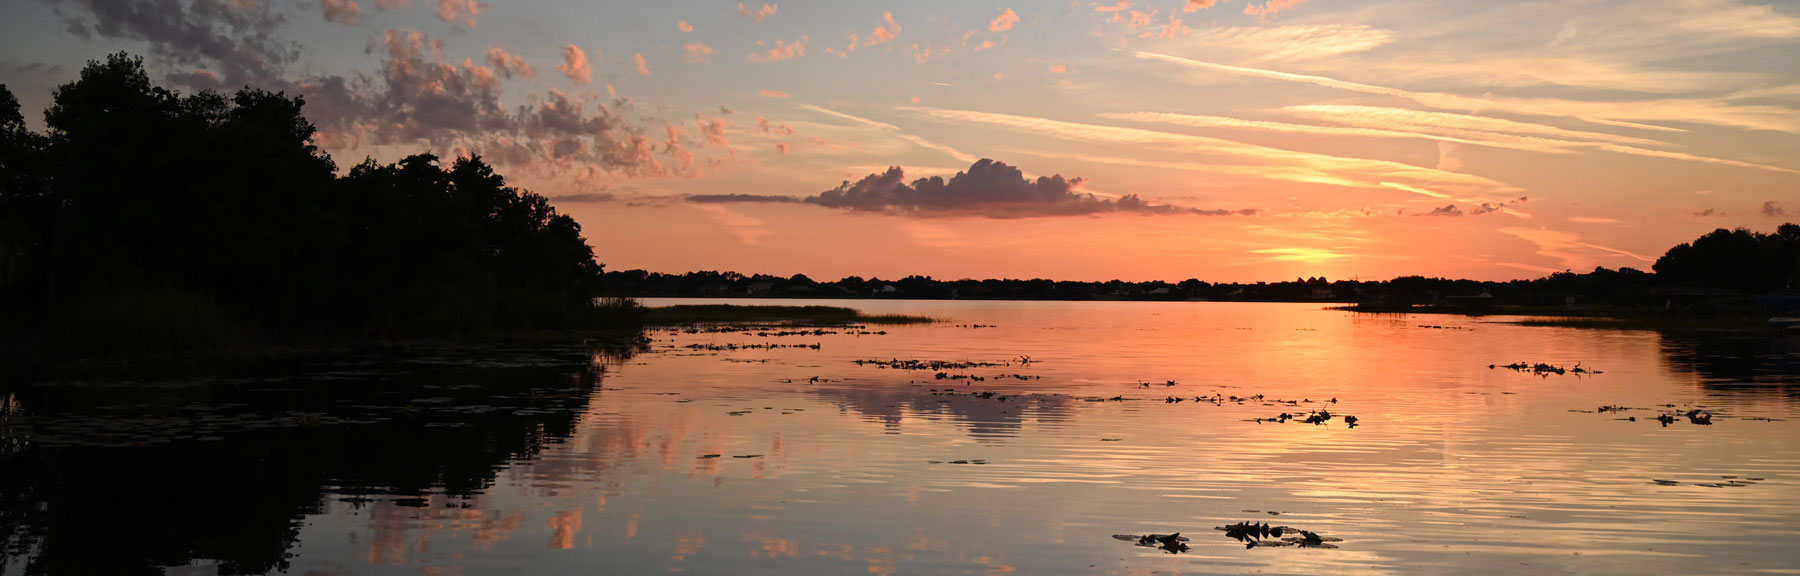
<point>1139,140</point>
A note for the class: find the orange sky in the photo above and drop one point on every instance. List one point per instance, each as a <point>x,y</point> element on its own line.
<point>1229,140</point>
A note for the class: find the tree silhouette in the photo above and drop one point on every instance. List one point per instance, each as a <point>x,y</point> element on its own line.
<point>147,218</point>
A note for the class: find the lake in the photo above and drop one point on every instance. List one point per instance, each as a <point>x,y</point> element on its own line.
<point>765,452</point>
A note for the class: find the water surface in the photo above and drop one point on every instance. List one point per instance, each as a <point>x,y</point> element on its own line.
<point>715,453</point>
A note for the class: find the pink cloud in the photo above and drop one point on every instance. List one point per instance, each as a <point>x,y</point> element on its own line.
<point>698,53</point>
<point>344,12</point>
<point>758,14</point>
<point>771,93</point>
<point>643,66</point>
<point>1059,69</point>
<point>781,147</point>
<point>510,65</point>
<point>1194,5</point>
<point>883,33</point>
<point>1269,9</point>
<point>575,65</point>
<point>781,51</point>
<point>768,127</point>
<point>1004,21</point>
<point>684,26</point>
<point>464,11</point>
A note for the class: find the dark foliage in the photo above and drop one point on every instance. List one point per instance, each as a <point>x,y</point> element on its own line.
<point>149,219</point>
<point>1739,260</point>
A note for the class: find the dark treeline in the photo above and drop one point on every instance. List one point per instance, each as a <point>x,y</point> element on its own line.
<point>1724,264</point>
<point>144,218</point>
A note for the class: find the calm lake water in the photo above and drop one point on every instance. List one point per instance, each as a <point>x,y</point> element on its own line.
<point>695,457</point>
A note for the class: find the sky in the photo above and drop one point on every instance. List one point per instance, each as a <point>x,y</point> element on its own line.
<point>1224,140</point>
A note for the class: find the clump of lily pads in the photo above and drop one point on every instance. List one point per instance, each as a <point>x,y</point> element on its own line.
<point>1254,534</point>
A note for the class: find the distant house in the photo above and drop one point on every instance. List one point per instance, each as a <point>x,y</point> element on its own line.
<point>1160,291</point>
<point>887,290</point>
<point>1322,293</point>
<point>760,288</point>
<point>1478,302</point>
<point>800,290</point>
<point>715,289</point>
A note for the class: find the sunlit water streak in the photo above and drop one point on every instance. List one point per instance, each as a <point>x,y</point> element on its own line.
<point>737,462</point>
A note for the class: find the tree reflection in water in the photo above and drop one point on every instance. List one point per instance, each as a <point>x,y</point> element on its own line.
<point>224,471</point>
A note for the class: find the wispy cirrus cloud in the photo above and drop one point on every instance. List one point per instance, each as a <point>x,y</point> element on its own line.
<point>1280,164</point>
<point>1286,43</point>
<point>1625,114</point>
<point>895,131</point>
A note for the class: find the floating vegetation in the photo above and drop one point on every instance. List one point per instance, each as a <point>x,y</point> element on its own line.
<point>735,347</point>
<point>1254,534</point>
<point>775,331</point>
<point>931,365</point>
<point>1171,543</point>
<point>784,315</point>
<point>974,462</point>
<point>1536,368</point>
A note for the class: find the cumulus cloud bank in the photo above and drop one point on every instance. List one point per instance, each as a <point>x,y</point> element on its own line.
<point>988,188</point>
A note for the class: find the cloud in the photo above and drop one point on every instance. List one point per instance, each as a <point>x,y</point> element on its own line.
<point>198,78</point>
<point>768,127</point>
<point>463,11</point>
<point>1723,111</point>
<point>426,98</point>
<point>766,93</point>
<point>1567,247</point>
<point>1287,44</point>
<point>1447,210</point>
<point>643,66</point>
<point>740,199</point>
<point>393,4</point>
<point>758,14</point>
<point>1707,213</point>
<point>1449,157</point>
<point>1773,209</point>
<point>1732,20</point>
<point>510,65</point>
<point>1593,220</point>
<point>1268,9</point>
<point>344,12</point>
<point>575,65</point>
<point>1266,162</point>
<point>749,230</point>
<point>883,33</point>
<point>988,188</point>
<point>1122,6</point>
<point>237,41</point>
<point>1194,5</point>
<point>781,51</point>
<point>698,53</point>
<point>684,26</point>
<point>713,129</point>
<point>585,198</point>
<point>897,132</point>
<point>1059,69</point>
<point>1004,21</point>
<point>1432,99</point>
